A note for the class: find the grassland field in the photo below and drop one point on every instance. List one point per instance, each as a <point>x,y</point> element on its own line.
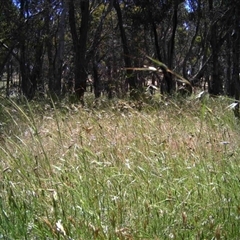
<point>120,170</point>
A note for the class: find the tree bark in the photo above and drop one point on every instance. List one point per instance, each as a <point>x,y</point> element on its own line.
<point>189,52</point>
<point>93,50</point>
<point>215,87</point>
<point>171,46</point>
<point>60,50</point>
<point>157,48</point>
<point>236,60</point>
<point>27,86</point>
<point>96,83</point>
<point>131,79</point>
<point>80,46</point>
<point>55,53</point>
<point>230,89</point>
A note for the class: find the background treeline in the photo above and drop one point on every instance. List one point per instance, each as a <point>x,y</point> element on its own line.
<point>69,46</point>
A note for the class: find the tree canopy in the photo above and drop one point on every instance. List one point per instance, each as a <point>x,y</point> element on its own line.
<point>61,47</point>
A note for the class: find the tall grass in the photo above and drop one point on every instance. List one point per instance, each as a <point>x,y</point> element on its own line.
<point>168,172</point>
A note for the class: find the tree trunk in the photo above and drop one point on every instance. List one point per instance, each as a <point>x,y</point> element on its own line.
<point>171,45</point>
<point>96,80</point>
<point>60,50</point>
<point>236,61</point>
<point>189,52</point>
<point>93,50</point>
<point>26,84</point>
<point>131,79</point>
<point>157,48</point>
<point>8,79</point>
<point>55,53</point>
<point>229,85</point>
<point>215,87</point>
<point>80,46</point>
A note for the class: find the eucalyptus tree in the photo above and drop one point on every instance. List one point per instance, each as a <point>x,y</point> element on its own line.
<point>80,16</point>
<point>38,25</point>
<point>222,17</point>
<point>190,32</point>
<point>8,27</point>
<point>79,31</point>
<point>55,25</point>
<point>97,50</point>
<point>230,51</point>
<point>131,78</point>
<point>31,45</point>
<point>210,25</point>
<point>160,21</point>
<point>195,31</point>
